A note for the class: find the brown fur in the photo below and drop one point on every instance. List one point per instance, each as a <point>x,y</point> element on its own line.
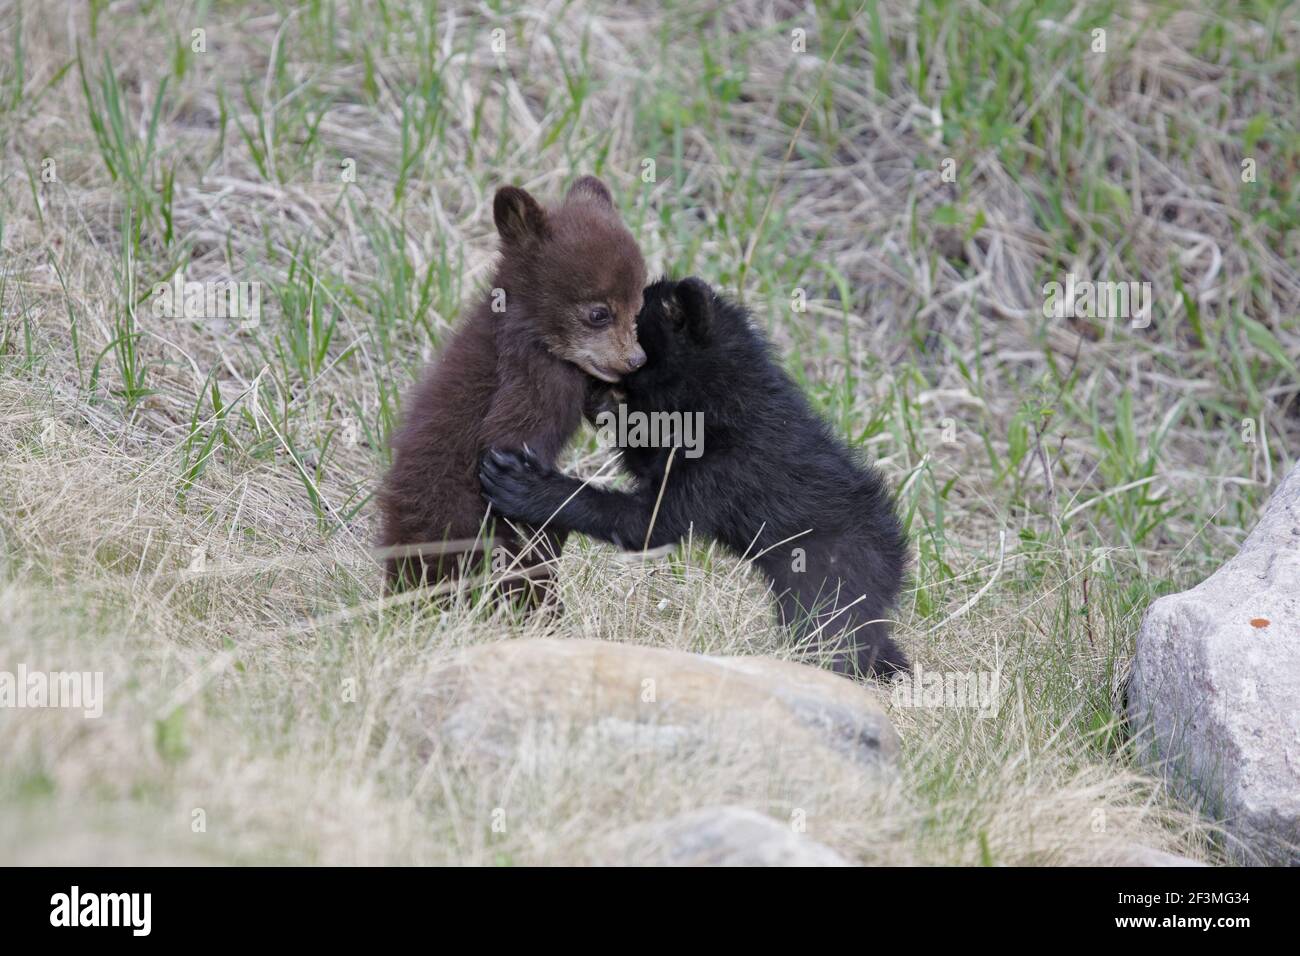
<point>512,378</point>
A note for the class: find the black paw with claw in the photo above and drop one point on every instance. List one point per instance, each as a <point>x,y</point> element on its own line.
<point>602,398</point>
<point>511,482</point>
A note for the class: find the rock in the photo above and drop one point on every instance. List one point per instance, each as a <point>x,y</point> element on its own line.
<point>1136,854</point>
<point>1215,690</point>
<point>521,699</point>
<point>717,836</point>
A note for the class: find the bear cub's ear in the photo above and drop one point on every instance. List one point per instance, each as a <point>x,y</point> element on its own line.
<point>589,187</point>
<point>693,308</point>
<point>520,219</point>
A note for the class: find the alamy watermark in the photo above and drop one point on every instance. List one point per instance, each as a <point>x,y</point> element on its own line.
<point>220,299</point>
<point>1085,299</point>
<point>132,911</point>
<point>83,690</point>
<point>977,690</point>
<point>624,429</point>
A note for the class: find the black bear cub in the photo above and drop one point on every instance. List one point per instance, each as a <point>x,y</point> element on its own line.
<point>772,483</point>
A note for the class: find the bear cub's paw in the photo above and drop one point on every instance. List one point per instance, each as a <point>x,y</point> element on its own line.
<point>601,398</point>
<point>513,482</point>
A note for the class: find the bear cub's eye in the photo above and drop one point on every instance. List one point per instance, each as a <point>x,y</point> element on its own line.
<point>599,317</point>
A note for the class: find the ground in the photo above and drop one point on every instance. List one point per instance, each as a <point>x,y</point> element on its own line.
<point>186,503</point>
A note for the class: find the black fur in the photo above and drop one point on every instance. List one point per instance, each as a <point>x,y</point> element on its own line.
<point>772,479</point>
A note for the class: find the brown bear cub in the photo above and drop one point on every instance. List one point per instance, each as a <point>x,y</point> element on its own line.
<point>561,310</point>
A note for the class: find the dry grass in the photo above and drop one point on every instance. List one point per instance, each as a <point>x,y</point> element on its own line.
<point>186,505</point>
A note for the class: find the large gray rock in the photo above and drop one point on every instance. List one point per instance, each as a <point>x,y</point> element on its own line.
<point>1215,691</point>
<point>717,836</point>
<point>526,701</point>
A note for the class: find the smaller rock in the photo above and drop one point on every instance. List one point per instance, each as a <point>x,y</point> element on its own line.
<point>1136,854</point>
<point>717,836</point>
